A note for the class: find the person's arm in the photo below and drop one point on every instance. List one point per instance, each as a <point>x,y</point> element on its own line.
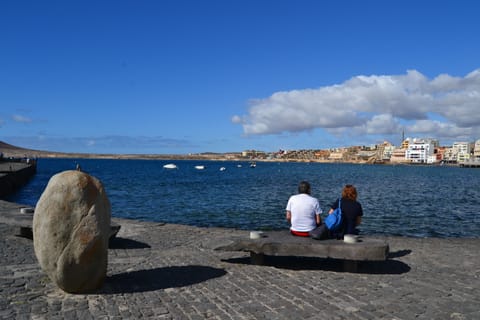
<point>332,206</point>
<point>360,214</point>
<point>288,216</point>
<point>318,219</point>
<point>358,220</point>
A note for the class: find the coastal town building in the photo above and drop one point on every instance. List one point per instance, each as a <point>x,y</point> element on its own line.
<point>440,153</point>
<point>476,150</point>
<point>398,156</point>
<point>254,154</point>
<point>421,151</point>
<point>335,156</point>
<point>450,155</point>
<point>388,151</point>
<point>462,151</point>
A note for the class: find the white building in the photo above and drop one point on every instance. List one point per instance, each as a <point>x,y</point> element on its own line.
<point>421,151</point>
<point>463,150</point>
<point>387,152</point>
<point>450,155</point>
<point>476,150</point>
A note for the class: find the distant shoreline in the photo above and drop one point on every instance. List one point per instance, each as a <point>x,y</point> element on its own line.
<point>17,152</point>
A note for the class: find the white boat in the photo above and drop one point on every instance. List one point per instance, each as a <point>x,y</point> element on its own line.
<point>170,166</point>
<point>199,167</point>
<point>223,168</point>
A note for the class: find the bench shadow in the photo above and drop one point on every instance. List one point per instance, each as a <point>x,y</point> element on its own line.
<point>124,243</point>
<point>326,264</point>
<point>398,254</point>
<point>159,278</point>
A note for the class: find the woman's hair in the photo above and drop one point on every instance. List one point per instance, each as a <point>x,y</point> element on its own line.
<point>349,192</point>
<point>304,187</point>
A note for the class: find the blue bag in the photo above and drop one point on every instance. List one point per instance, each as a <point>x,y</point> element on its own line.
<point>334,219</point>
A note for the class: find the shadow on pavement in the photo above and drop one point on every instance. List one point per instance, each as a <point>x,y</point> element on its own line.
<point>308,263</point>
<point>123,243</point>
<point>159,278</point>
<point>398,254</point>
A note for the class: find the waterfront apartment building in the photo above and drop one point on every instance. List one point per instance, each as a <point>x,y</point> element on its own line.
<point>476,150</point>
<point>462,150</point>
<point>450,155</point>
<point>421,151</point>
<point>398,156</point>
<point>387,152</point>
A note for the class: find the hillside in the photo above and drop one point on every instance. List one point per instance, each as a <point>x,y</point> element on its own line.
<point>12,151</point>
<point>9,150</point>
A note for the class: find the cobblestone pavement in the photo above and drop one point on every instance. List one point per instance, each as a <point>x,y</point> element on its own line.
<point>166,271</point>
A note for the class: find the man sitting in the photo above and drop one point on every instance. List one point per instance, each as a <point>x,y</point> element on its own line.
<point>303,211</point>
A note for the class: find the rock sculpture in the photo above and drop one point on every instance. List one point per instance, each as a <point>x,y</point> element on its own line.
<point>71,227</point>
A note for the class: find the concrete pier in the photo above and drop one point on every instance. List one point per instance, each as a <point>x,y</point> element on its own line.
<point>14,174</point>
<point>168,271</point>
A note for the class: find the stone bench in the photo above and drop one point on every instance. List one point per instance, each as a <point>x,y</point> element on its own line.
<point>22,217</point>
<point>282,243</point>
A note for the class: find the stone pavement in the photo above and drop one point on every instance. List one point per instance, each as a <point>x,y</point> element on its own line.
<point>167,271</point>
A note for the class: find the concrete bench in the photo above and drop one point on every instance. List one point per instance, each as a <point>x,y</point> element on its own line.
<point>282,243</point>
<point>22,217</point>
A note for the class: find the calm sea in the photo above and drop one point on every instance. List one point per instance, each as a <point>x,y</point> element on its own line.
<point>419,201</point>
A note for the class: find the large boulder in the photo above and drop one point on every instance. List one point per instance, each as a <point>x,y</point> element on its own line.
<point>71,227</point>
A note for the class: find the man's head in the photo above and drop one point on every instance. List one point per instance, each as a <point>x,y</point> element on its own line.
<point>304,187</point>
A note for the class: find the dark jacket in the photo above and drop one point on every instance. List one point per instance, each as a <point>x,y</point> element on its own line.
<point>350,211</point>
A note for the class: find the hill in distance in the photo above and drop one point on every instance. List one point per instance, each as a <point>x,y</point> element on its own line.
<point>9,150</point>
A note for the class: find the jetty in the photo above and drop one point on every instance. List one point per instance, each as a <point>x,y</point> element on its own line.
<point>14,173</point>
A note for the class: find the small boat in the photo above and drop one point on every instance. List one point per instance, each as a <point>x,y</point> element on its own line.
<point>253,164</point>
<point>199,167</point>
<point>239,165</point>
<point>223,169</point>
<point>170,166</point>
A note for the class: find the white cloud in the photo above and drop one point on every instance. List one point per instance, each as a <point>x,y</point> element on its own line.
<point>373,104</point>
<point>237,119</point>
<point>20,118</point>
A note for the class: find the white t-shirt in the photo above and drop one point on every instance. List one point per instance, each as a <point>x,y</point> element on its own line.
<point>303,207</point>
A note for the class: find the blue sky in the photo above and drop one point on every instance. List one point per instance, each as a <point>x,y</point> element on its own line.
<point>181,77</point>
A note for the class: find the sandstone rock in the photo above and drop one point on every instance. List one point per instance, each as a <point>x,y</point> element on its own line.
<point>71,227</point>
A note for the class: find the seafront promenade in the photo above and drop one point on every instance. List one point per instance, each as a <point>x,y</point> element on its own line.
<point>167,271</point>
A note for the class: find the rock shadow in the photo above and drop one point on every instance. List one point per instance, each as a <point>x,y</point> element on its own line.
<point>159,278</point>
<point>123,243</point>
<point>325,264</point>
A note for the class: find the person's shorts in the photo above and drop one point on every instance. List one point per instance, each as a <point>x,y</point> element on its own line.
<point>300,233</point>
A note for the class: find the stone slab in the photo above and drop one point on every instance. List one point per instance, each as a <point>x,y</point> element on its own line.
<point>282,243</point>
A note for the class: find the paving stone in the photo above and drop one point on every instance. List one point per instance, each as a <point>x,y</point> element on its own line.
<point>172,272</point>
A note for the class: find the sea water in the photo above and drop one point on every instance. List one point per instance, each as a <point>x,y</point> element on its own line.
<point>419,201</point>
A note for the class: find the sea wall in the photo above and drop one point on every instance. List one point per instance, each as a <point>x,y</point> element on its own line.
<point>14,174</point>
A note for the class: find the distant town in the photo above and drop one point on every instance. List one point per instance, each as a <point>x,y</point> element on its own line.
<point>412,151</point>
